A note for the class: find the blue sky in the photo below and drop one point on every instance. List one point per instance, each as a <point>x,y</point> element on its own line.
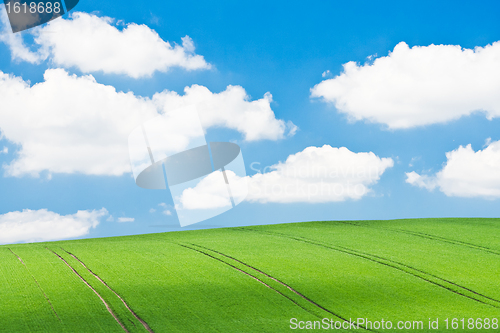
<point>283,48</point>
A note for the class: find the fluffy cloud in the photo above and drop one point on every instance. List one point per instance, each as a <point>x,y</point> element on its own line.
<point>231,108</point>
<point>69,124</point>
<point>165,211</point>
<point>319,174</point>
<point>72,124</point>
<point>418,86</point>
<point>15,42</point>
<point>466,173</point>
<point>43,225</point>
<point>93,43</point>
<point>314,175</point>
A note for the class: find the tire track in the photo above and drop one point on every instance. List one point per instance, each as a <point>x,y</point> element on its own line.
<point>38,285</point>
<point>95,291</point>
<point>263,273</point>
<point>431,237</point>
<point>448,240</point>
<point>273,278</point>
<point>267,285</point>
<point>390,263</point>
<point>146,326</point>
<point>253,277</point>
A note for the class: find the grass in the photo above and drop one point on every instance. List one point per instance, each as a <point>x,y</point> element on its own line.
<point>255,279</point>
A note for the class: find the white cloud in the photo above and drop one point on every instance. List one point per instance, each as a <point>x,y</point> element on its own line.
<point>18,49</point>
<point>418,86</point>
<point>231,108</point>
<point>5,150</point>
<point>71,124</point>
<point>93,44</point>
<point>126,219</point>
<point>422,181</point>
<point>316,174</point>
<point>319,174</point>
<point>413,160</point>
<point>165,210</point>
<point>43,225</point>
<point>292,128</point>
<point>212,192</point>
<point>467,173</point>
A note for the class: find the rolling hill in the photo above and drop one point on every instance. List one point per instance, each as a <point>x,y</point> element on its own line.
<point>257,279</point>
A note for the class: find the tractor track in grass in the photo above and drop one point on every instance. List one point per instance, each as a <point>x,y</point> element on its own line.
<point>262,282</point>
<point>273,278</point>
<point>146,326</point>
<point>250,275</point>
<point>264,273</point>
<point>37,284</point>
<point>389,263</point>
<point>95,291</point>
<point>431,237</point>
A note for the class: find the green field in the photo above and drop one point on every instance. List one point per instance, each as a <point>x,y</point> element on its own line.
<point>255,279</point>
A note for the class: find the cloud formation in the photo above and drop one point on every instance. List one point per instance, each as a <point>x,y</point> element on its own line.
<point>319,174</point>
<point>232,109</point>
<point>418,86</point>
<point>467,173</point>
<point>73,124</point>
<point>43,225</point>
<point>69,124</point>
<point>95,44</point>
<point>18,49</point>
<point>314,175</point>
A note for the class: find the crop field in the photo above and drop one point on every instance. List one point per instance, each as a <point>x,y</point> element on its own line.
<point>256,279</point>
